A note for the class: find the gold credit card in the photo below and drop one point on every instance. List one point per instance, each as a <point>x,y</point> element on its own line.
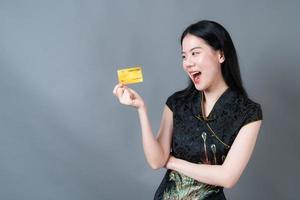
<point>130,75</point>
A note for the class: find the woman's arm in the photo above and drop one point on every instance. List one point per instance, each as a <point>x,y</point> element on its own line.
<point>157,150</point>
<point>227,174</point>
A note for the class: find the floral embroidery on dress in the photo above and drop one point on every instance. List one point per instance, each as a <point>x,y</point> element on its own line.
<point>187,188</point>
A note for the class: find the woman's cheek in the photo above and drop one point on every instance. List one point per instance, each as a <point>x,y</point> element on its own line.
<point>209,77</point>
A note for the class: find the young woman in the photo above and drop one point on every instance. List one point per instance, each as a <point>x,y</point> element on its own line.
<point>208,130</point>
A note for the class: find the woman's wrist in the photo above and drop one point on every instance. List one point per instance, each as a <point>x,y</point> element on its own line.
<point>142,107</point>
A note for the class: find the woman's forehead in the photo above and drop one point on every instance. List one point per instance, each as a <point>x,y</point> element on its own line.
<point>191,42</point>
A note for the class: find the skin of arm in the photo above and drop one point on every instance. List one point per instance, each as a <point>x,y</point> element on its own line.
<point>156,149</point>
<point>227,174</point>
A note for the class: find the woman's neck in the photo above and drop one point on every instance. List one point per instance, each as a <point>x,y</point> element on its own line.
<point>212,94</point>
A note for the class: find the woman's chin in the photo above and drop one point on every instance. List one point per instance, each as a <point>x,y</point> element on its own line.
<point>198,87</point>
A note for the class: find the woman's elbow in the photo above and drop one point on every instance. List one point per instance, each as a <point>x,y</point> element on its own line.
<point>229,185</point>
<point>230,182</point>
<point>155,166</point>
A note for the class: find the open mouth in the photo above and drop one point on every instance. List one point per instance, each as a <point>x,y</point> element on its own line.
<point>196,76</point>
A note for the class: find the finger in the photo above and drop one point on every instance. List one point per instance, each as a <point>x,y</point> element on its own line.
<point>134,93</point>
<point>130,94</point>
<point>120,91</point>
<point>125,86</point>
<point>116,88</point>
<point>126,98</point>
<point>126,94</point>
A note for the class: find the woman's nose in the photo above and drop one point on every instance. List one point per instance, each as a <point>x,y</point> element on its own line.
<point>189,63</point>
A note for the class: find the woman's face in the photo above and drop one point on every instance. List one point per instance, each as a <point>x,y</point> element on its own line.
<point>201,62</point>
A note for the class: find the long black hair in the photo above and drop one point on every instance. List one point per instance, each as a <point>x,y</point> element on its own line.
<point>218,38</point>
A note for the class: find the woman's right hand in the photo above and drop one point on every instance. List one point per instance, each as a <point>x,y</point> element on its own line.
<point>128,96</point>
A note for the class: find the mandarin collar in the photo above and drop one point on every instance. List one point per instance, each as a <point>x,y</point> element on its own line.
<point>225,97</point>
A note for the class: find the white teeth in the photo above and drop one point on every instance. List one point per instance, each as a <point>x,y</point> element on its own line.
<point>193,73</point>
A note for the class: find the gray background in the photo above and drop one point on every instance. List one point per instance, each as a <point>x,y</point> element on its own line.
<point>63,135</point>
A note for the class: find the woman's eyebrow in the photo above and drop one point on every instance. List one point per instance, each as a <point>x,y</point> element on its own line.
<point>193,49</point>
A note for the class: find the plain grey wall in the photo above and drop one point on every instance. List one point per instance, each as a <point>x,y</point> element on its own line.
<point>63,135</point>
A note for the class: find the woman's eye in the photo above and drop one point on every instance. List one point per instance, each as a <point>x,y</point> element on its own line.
<point>183,57</point>
<point>195,53</point>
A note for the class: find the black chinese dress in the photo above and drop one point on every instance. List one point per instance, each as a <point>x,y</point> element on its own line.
<point>200,139</point>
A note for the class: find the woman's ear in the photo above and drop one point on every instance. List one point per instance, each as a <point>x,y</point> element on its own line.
<point>221,57</point>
